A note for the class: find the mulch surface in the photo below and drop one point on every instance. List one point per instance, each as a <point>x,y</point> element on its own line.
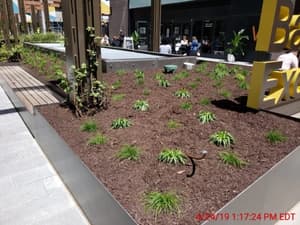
<point>214,183</point>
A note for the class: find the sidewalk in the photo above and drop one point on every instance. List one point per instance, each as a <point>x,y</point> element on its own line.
<point>31,191</point>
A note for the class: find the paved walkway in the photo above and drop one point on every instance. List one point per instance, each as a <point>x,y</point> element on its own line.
<point>31,191</point>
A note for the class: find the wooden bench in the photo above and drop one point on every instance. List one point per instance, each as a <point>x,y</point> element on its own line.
<point>30,91</point>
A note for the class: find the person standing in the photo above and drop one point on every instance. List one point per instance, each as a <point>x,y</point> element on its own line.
<point>289,60</point>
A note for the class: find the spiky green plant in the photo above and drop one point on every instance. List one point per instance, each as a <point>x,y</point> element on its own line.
<point>141,105</point>
<point>120,123</point>
<point>118,97</point>
<point>121,72</point>
<point>146,92</point>
<point>193,85</point>
<point>230,158</point>
<point>139,76</point>
<point>206,116</point>
<point>88,126</point>
<point>275,136</point>
<point>172,156</point>
<point>162,202</point>
<point>222,138</point>
<point>129,152</point>
<point>181,75</point>
<point>172,124</point>
<point>186,105</point>
<point>98,139</point>
<point>202,68</point>
<point>225,93</point>
<point>183,93</point>
<point>219,72</point>
<point>163,83</point>
<point>116,85</point>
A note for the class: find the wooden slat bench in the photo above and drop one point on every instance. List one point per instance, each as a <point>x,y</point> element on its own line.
<point>31,91</point>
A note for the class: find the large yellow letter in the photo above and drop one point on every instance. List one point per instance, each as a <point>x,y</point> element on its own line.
<point>273,32</point>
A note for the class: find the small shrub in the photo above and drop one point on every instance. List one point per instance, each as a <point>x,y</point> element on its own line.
<point>99,139</point>
<point>186,106</point>
<point>172,124</point>
<point>226,94</point>
<point>274,137</point>
<point>183,93</point>
<point>159,76</point>
<point>162,202</point>
<point>141,105</point>
<point>118,97</point>
<point>129,152</point>
<point>222,138</point>
<point>163,83</point>
<point>116,85</point>
<point>181,75</point>
<point>139,76</point>
<point>120,123</point>
<point>206,117</point>
<point>243,85</point>
<point>204,101</point>
<point>202,68</point>
<point>121,72</point>
<point>219,71</point>
<point>88,126</point>
<point>172,156</point>
<point>232,159</point>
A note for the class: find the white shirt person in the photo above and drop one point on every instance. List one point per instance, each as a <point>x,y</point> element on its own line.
<point>289,60</point>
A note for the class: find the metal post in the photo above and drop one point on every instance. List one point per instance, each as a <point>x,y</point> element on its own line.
<point>24,28</point>
<point>46,14</point>
<point>155,21</point>
<point>11,19</point>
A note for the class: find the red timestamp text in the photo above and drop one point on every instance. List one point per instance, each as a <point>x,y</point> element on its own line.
<point>246,216</point>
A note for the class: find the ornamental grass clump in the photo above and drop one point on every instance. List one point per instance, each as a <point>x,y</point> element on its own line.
<point>172,156</point>
<point>88,126</point>
<point>186,105</point>
<point>141,105</point>
<point>172,124</point>
<point>275,136</point>
<point>230,158</point>
<point>129,152</point>
<point>99,139</point>
<point>162,202</point>
<point>120,123</point>
<point>206,116</point>
<point>222,138</point>
<point>183,93</point>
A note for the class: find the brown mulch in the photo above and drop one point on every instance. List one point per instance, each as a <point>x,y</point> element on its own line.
<point>214,184</point>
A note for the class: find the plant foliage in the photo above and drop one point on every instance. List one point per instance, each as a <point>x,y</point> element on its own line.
<point>141,105</point>
<point>206,116</point>
<point>99,139</point>
<point>129,152</point>
<point>222,138</point>
<point>275,136</point>
<point>183,93</point>
<point>120,123</point>
<point>172,156</point>
<point>232,159</point>
<point>88,126</point>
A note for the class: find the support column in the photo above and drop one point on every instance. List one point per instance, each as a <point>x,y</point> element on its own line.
<point>77,16</point>
<point>11,19</point>
<point>155,21</point>
<point>5,24</point>
<point>46,14</point>
<point>33,19</point>
<point>24,28</point>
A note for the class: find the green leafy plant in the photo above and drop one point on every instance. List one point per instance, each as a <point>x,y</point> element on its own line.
<point>172,124</point>
<point>225,93</point>
<point>206,116</point>
<point>118,97</point>
<point>218,84</point>
<point>193,85</point>
<point>121,72</point>
<point>219,72</point>
<point>141,105</point>
<point>222,138</point>
<point>172,156</point>
<point>186,105</point>
<point>202,68</point>
<point>183,93</point>
<point>163,83</point>
<point>243,85</point>
<point>99,139</point>
<point>159,76</point>
<point>162,202</point>
<point>116,85</point>
<point>275,136</point>
<point>230,158</point>
<point>204,101</point>
<point>120,123</point>
<point>88,126</point>
<point>236,46</point>
<point>136,38</point>
<point>181,75</point>
<point>129,152</point>
<point>139,76</point>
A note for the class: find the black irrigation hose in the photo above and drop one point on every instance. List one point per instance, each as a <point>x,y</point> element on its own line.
<point>192,158</point>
